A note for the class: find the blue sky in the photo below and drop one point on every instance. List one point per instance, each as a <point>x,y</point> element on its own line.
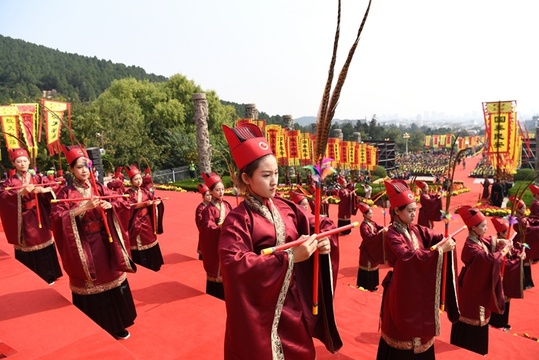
<point>414,57</point>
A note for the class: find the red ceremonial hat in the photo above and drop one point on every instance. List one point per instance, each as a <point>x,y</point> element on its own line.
<point>60,172</point>
<point>341,180</point>
<point>364,208</point>
<point>470,215</point>
<point>15,153</point>
<point>202,188</point>
<point>131,171</point>
<point>534,189</point>
<point>296,197</point>
<point>210,179</point>
<point>518,201</point>
<point>398,193</point>
<point>73,152</point>
<point>118,172</point>
<point>421,184</point>
<point>500,224</point>
<point>147,171</point>
<point>12,172</point>
<point>246,144</point>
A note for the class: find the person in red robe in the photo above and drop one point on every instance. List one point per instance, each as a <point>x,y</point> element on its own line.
<point>269,298</point>
<point>527,230</point>
<point>117,182</point>
<point>299,199</point>
<point>212,219</point>
<point>512,275</point>
<point>324,205</point>
<point>410,316</point>
<point>534,207</point>
<point>431,204</point>
<point>25,212</point>
<point>92,244</point>
<point>147,181</point>
<point>146,222</point>
<point>371,250</point>
<point>346,204</point>
<point>206,198</point>
<point>480,289</point>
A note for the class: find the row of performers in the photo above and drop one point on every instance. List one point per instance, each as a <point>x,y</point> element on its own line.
<point>495,269</point>
<point>99,233</point>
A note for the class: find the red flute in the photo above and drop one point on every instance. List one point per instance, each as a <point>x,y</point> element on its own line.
<point>434,247</point>
<point>23,186</point>
<point>54,201</point>
<point>273,249</point>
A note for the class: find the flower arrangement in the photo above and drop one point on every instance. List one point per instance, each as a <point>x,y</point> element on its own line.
<point>169,187</point>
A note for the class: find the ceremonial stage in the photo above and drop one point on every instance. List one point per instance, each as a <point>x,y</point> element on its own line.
<point>177,320</point>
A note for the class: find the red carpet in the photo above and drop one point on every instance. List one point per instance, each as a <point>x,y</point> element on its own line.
<point>177,320</point>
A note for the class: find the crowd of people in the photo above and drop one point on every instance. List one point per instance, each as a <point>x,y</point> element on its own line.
<point>103,232</point>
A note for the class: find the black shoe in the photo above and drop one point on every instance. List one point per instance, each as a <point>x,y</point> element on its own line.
<point>122,335</point>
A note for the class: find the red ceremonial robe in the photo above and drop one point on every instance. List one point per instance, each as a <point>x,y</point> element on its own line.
<point>143,227</point>
<point>411,300</point>
<point>94,264</point>
<point>213,216</point>
<point>431,204</point>
<point>117,186</point>
<point>480,285</point>
<point>528,232</point>
<point>19,215</point>
<point>371,251</point>
<point>534,209</point>
<point>269,298</point>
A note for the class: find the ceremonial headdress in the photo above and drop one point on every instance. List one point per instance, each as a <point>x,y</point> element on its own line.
<point>246,144</point>
<point>131,171</point>
<point>471,216</point>
<point>364,208</point>
<point>211,179</point>
<point>519,203</point>
<point>60,172</point>
<point>15,153</point>
<point>500,224</point>
<point>202,188</point>
<point>421,184</point>
<point>11,172</point>
<point>341,180</point>
<point>296,197</point>
<point>534,189</point>
<point>398,193</point>
<point>73,152</point>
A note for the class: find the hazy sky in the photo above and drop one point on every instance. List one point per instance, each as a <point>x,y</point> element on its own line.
<point>414,56</point>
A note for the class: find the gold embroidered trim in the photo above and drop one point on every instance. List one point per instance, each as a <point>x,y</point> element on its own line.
<point>78,243</point>
<point>214,279</point>
<point>369,268</point>
<point>91,289</point>
<point>415,344</point>
<point>410,235</point>
<point>143,247</point>
<point>118,229</point>
<point>35,247</point>
<point>481,322</point>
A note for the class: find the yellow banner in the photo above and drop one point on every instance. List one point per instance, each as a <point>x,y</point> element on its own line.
<point>427,140</point>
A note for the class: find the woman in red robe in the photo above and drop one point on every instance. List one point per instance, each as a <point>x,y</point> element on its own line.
<point>206,198</point>
<point>410,313</point>
<point>431,204</point>
<point>25,213</point>
<point>145,223</point>
<point>213,217</point>
<point>480,289</point>
<point>269,297</point>
<point>512,274</point>
<point>371,251</point>
<point>93,255</point>
<point>527,229</point>
<point>117,182</point>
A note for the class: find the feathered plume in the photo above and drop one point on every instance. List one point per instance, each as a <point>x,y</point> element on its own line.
<point>330,100</point>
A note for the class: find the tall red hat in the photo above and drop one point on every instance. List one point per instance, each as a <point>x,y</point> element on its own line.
<point>364,208</point>
<point>15,153</point>
<point>202,188</point>
<point>246,144</point>
<point>519,202</point>
<point>11,172</point>
<point>118,172</point>
<point>296,197</point>
<point>500,224</point>
<point>341,180</point>
<point>211,179</point>
<point>73,152</point>
<point>147,171</point>
<point>421,184</point>
<point>60,172</point>
<point>471,216</point>
<point>131,171</point>
<point>398,193</point>
<point>534,189</point>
